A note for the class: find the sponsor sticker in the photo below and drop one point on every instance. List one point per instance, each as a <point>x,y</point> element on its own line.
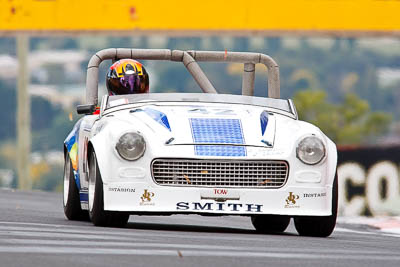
<point>314,195</point>
<point>291,201</point>
<point>220,191</point>
<point>146,198</point>
<point>122,189</point>
<point>220,194</point>
<point>219,206</point>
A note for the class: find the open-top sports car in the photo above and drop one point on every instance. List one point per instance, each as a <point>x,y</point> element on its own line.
<point>204,153</point>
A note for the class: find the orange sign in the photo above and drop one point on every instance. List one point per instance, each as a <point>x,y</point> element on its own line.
<point>206,15</point>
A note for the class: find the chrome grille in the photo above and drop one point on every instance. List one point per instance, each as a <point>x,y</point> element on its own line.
<point>219,173</point>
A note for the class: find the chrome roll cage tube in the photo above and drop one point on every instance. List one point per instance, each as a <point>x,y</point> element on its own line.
<point>189,60</point>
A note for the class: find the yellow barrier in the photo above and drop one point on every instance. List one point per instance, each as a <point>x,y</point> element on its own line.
<point>205,15</point>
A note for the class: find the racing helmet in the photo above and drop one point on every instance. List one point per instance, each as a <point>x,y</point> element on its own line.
<point>127,76</point>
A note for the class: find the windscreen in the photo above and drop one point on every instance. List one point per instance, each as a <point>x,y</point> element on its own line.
<point>279,104</point>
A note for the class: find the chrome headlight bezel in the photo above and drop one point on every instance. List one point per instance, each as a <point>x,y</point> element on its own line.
<point>130,146</point>
<point>309,145</point>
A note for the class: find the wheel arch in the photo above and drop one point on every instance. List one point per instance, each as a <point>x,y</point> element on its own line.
<point>99,145</point>
<point>331,161</point>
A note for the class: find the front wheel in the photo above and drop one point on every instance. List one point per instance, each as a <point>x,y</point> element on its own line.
<point>319,226</point>
<point>97,214</point>
<point>270,223</point>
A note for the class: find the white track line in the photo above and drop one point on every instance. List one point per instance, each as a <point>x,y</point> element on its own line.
<point>109,244</point>
<point>188,253</point>
<point>126,232</point>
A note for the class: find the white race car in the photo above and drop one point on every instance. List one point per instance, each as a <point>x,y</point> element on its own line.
<point>206,153</point>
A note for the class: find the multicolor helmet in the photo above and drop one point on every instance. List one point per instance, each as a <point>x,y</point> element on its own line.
<point>127,76</point>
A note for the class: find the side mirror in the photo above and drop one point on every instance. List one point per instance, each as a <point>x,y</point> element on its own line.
<point>86,109</point>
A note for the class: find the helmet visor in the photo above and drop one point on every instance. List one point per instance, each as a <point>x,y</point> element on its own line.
<point>131,82</point>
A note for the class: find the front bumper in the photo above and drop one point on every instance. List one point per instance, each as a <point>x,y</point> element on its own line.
<point>141,197</point>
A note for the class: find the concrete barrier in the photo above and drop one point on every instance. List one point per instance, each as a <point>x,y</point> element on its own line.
<point>369,180</point>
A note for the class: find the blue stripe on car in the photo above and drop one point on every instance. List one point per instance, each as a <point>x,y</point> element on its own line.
<point>219,131</point>
<point>158,116</point>
<point>263,121</point>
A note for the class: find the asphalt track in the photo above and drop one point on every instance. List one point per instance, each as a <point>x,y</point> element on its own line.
<point>34,232</point>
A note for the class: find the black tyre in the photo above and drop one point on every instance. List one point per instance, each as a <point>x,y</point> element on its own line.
<point>71,201</point>
<point>319,226</point>
<point>270,223</point>
<point>97,214</point>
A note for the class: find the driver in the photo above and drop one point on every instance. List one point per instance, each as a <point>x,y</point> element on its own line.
<point>127,76</point>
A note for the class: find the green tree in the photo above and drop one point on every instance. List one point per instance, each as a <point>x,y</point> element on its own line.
<point>350,122</point>
<point>43,112</point>
<point>53,136</point>
<point>8,114</point>
<point>46,177</point>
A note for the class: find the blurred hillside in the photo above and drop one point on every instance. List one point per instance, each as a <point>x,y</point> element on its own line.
<point>349,87</point>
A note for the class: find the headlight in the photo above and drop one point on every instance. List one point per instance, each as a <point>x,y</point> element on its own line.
<point>131,146</point>
<point>310,150</point>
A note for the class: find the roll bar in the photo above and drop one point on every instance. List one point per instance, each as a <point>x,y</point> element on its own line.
<point>189,60</point>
